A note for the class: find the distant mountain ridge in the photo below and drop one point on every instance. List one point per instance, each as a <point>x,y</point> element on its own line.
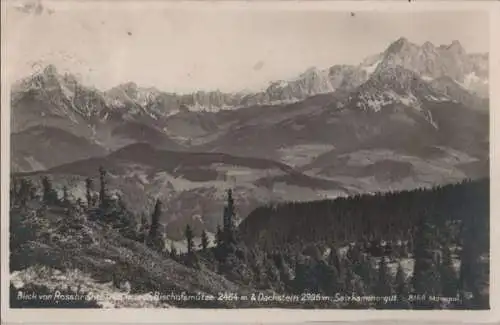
<point>61,101</point>
<point>429,61</point>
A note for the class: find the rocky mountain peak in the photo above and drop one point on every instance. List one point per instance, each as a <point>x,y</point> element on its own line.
<point>428,47</point>
<point>456,47</point>
<point>47,79</point>
<point>310,72</point>
<point>129,85</point>
<point>431,62</point>
<point>50,70</point>
<point>399,45</point>
<point>394,74</point>
<point>393,84</point>
<point>131,89</point>
<point>403,81</point>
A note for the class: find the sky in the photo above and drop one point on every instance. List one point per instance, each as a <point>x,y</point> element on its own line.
<point>182,50</point>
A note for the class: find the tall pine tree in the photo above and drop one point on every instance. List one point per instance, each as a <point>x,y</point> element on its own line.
<point>142,232</point>
<point>219,238</point>
<point>27,191</point>
<point>383,287</point>
<point>449,278</point>
<point>189,239</point>
<point>401,287</point>
<point>103,194</point>
<point>49,194</point>
<point>89,189</point>
<point>368,274</point>
<point>204,240</point>
<point>300,282</point>
<point>425,272</point>
<point>154,237</point>
<point>328,278</point>
<point>228,225</point>
<point>66,201</point>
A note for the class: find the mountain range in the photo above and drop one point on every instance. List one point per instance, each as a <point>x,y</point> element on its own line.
<point>412,115</point>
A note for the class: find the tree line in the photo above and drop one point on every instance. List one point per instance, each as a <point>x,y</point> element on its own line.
<point>392,216</point>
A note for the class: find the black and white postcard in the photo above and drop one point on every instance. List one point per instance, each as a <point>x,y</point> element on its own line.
<point>247,158</point>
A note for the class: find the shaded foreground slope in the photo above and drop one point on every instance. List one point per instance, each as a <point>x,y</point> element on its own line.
<point>52,247</point>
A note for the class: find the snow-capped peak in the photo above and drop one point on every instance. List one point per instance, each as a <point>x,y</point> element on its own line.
<point>395,86</point>
<point>431,62</point>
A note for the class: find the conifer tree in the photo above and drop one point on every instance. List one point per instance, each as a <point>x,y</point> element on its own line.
<point>349,285</point>
<point>401,287</point>
<point>449,278</point>
<point>401,290</point>
<point>333,259</point>
<point>173,251</point>
<point>123,220</point>
<point>49,194</point>
<point>403,250</point>
<point>154,237</point>
<point>283,268</point>
<point>26,192</point>
<point>383,287</point>
<point>221,247</point>
<point>79,203</point>
<point>353,253</point>
<point>120,203</point>
<point>204,240</point>
<point>143,229</point>
<point>228,226</point>
<point>272,275</point>
<point>425,272</point>
<point>89,190</point>
<point>300,281</point>
<point>189,239</point>
<point>367,274</point>
<point>103,194</point>
<point>328,278</point>
<point>66,201</point>
<point>219,238</point>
